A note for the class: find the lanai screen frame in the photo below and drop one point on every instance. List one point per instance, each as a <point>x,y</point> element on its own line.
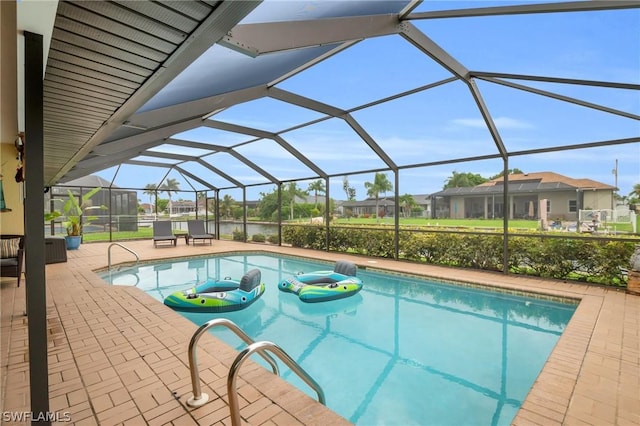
<point>150,127</point>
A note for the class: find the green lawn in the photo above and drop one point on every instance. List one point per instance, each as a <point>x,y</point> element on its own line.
<point>452,223</point>
<point>467,223</point>
<point>147,232</point>
<point>142,233</point>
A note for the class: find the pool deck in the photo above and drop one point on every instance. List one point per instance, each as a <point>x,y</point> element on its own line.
<point>119,357</point>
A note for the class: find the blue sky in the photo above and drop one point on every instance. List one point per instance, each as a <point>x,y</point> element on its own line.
<point>444,122</point>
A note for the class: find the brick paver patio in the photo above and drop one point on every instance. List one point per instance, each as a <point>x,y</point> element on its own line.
<point>119,357</point>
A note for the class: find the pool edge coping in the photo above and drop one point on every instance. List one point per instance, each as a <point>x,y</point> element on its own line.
<point>551,296</point>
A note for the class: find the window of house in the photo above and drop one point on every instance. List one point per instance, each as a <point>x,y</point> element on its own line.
<point>548,206</point>
<point>573,206</point>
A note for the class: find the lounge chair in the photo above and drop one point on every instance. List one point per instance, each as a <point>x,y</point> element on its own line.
<point>197,232</point>
<point>12,256</point>
<point>162,233</point>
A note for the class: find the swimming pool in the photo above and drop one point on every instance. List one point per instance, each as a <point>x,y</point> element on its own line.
<point>402,351</point>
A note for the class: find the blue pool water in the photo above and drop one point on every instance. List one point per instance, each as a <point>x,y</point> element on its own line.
<point>403,351</point>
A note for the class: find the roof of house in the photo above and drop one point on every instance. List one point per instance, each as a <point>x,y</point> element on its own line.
<point>186,203</point>
<point>529,183</point>
<point>550,177</point>
<point>420,199</point>
<point>92,181</point>
<point>369,202</point>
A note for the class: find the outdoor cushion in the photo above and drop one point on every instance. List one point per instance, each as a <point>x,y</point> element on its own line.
<point>9,247</point>
<point>11,256</point>
<point>12,261</point>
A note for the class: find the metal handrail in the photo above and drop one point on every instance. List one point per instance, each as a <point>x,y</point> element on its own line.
<point>259,347</point>
<point>126,248</point>
<point>198,397</point>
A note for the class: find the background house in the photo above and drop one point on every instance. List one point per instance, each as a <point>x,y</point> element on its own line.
<point>386,205</point>
<point>367,207</point>
<point>181,207</point>
<point>121,204</point>
<point>147,208</point>
<point>565,197</point>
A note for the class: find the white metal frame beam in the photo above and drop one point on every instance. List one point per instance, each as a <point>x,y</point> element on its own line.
<point>576,6</point>
<point>420,40</point>
<point>220,173</point>
<point>223,149</point>
<point>562,98</point>
<point>332,111</point>
<point>486,115</point>
<point>430,48</point>
<point>197,179</point>
<point>266,135</point>
<point>269,37</point>
<point>560,80</point>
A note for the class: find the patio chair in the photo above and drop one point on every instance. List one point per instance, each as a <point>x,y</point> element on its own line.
<point>12,248</point>
<point>162,233</point>
<point>197,232</point>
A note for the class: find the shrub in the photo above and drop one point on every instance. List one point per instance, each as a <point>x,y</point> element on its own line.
<point>577,259</point>
<point>239,235</point>
<point>273,238</point>
<point>258,238</point>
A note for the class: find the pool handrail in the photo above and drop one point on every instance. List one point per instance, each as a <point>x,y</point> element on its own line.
<point>259,348</point>
<point>124,247</point>
<point>199,398</point>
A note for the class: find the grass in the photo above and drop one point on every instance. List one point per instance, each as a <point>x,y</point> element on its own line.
<point>467,223</point>
<point>449,223</point>
<point>147,232</point>
<point>142,233</point>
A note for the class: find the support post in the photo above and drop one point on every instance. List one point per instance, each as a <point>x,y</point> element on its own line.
<point>34,227</point>
<point>505,222</point>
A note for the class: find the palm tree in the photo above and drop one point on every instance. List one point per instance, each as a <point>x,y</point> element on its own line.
<point>227,204</point>
<point>293,190</point>
<point>317,186</point>
<point>170,186</point>
<point>634,195</point>
<point>201,197</point>
<point>350,191</point>
<point>150,190</point>
<point>408,203</point>
<point>380,184</point>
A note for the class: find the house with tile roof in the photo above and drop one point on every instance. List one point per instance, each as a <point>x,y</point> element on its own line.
<point>565,197</point>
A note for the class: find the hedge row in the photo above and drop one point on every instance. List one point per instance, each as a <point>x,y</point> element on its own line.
<point>579,259</point>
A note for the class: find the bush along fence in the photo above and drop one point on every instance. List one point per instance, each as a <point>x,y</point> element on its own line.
<point>575,258</point>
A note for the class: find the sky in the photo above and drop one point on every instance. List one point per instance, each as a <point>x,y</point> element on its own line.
<point>438,124</point>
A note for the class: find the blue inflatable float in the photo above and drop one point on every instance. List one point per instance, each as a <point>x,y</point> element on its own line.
<point>219,295</point>
<point>321,286</point>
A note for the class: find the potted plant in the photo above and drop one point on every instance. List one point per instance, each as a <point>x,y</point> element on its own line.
<point>73,210</point>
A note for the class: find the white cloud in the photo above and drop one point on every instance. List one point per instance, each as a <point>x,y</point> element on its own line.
<point>500,122</point>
